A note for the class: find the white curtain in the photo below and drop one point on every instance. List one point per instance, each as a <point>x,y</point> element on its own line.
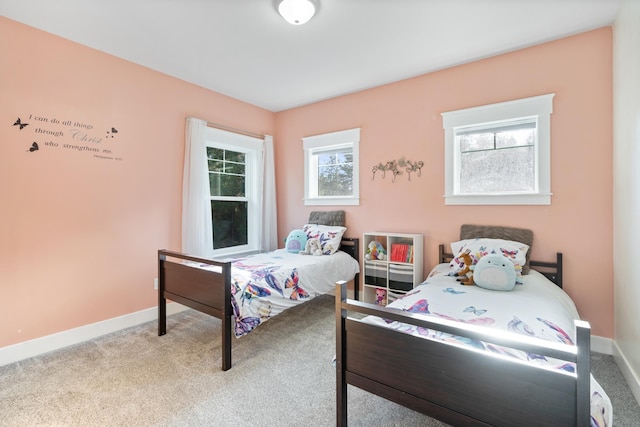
<point>269,226</point>
<point>197,231</point>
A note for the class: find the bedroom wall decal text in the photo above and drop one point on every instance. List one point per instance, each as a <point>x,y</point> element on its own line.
<point>72,135</point>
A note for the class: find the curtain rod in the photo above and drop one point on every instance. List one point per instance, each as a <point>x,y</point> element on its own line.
<point>230,129</point>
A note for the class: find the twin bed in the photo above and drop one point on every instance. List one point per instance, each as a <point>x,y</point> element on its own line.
<point>463,354</point>
<point>472,356</point>
<point>246,291</point>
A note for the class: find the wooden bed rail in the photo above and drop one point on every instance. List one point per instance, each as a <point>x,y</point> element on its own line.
<point>455,384</point>
<point>205,285</point>
<point>512,340</point>
<point>351,246</point>
<point>203,290</point>
<point>164,253</point>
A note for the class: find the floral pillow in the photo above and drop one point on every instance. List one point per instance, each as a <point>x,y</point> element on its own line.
<point>329,236</point>
<point>515,251</point>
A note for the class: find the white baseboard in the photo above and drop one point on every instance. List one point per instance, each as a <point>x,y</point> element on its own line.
<point>35,347</point>
<point>27,349</point>
<point>601,345</point>
<point>633,380</point>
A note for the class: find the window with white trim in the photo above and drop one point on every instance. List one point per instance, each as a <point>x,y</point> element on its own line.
<point>234,181</point>
<point>499,154</point>
<point>331,172</point>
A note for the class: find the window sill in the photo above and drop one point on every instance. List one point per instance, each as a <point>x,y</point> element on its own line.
<point>502,199</point>
<point>332,201</point>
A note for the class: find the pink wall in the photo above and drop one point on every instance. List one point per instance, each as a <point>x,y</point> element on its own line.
<point>403,120</point>
<point>79,234</point>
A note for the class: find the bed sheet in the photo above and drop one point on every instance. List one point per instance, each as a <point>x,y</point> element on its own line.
<point>536,308</point>
<point>264,285</point>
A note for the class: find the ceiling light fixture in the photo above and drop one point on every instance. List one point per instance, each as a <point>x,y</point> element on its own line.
<point>296,12</point>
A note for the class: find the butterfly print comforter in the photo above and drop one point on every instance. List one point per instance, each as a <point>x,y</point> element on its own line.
<point>536,308</point>
<point>264,285</point>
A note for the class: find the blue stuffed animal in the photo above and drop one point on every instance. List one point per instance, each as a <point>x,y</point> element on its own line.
<point>296,241</point>
<point>495,272</point>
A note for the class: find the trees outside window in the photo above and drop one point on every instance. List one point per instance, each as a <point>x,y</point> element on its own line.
<point>499,154</point>
<point>331,168</point>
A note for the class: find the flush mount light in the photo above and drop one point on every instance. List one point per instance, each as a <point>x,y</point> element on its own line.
<point>296,12</point>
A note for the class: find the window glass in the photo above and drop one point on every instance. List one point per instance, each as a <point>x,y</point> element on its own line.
<point>229,223</point>
<point>498,160</point>
<point>331,168</point>
<point>335,173</point>
<point>234,182</point>
<point>500,153</point>
<point>226,172</point>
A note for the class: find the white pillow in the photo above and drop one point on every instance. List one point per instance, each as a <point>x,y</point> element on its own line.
<point>329,236</point>
<point>515,251</point>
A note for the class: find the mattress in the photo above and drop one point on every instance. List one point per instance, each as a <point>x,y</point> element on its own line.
<point>264,285</point>
<point>537,308</point>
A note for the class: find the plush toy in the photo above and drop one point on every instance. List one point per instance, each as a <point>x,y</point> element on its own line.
<point>495,272</point>
<point>381,296</point>
<point>312,247</point>
<point>465,276</point>
<point>296,241</point>
<point>375,250</point>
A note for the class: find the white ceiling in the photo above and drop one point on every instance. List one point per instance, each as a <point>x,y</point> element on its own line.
<point>244,49</point>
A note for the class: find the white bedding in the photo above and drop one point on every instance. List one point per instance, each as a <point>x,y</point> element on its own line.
<point>266,284</point>
<point>537,308</point>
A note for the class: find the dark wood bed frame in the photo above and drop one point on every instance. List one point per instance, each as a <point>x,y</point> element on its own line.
<point>457,385</point>
<point>209,291</point>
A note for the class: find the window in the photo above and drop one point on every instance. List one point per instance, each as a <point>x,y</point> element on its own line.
<point>499,154</point>
<point>331,168</point>
<point>234,180</point>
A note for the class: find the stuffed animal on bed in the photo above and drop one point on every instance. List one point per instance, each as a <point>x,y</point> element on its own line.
<point>296,241</point>
<point>465,276</point>
<point>312,247</point>
<point>375,250</point>
<point>495,272</point>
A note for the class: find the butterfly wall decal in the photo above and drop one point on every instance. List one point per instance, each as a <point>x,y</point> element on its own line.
<point>34,147</point>
<point>111,132</point>
<point>19,123</point>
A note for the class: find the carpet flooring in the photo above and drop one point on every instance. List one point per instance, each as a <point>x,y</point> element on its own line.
<point>282,375</point>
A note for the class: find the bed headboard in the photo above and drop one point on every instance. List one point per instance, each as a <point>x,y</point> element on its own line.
<point>337,218</point>
<point>333,218</point>
<point>349,245</point>
<point>522,235</point>
<point>551,269</point>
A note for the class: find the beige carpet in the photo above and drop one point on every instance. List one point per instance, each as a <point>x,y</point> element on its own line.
<point>282,375</point>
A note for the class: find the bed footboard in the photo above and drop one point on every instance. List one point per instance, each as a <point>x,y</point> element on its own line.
<point>205,290</point>
<point>455,384</point>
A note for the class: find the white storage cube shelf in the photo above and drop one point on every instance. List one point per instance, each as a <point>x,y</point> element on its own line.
<point>398,273</point>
